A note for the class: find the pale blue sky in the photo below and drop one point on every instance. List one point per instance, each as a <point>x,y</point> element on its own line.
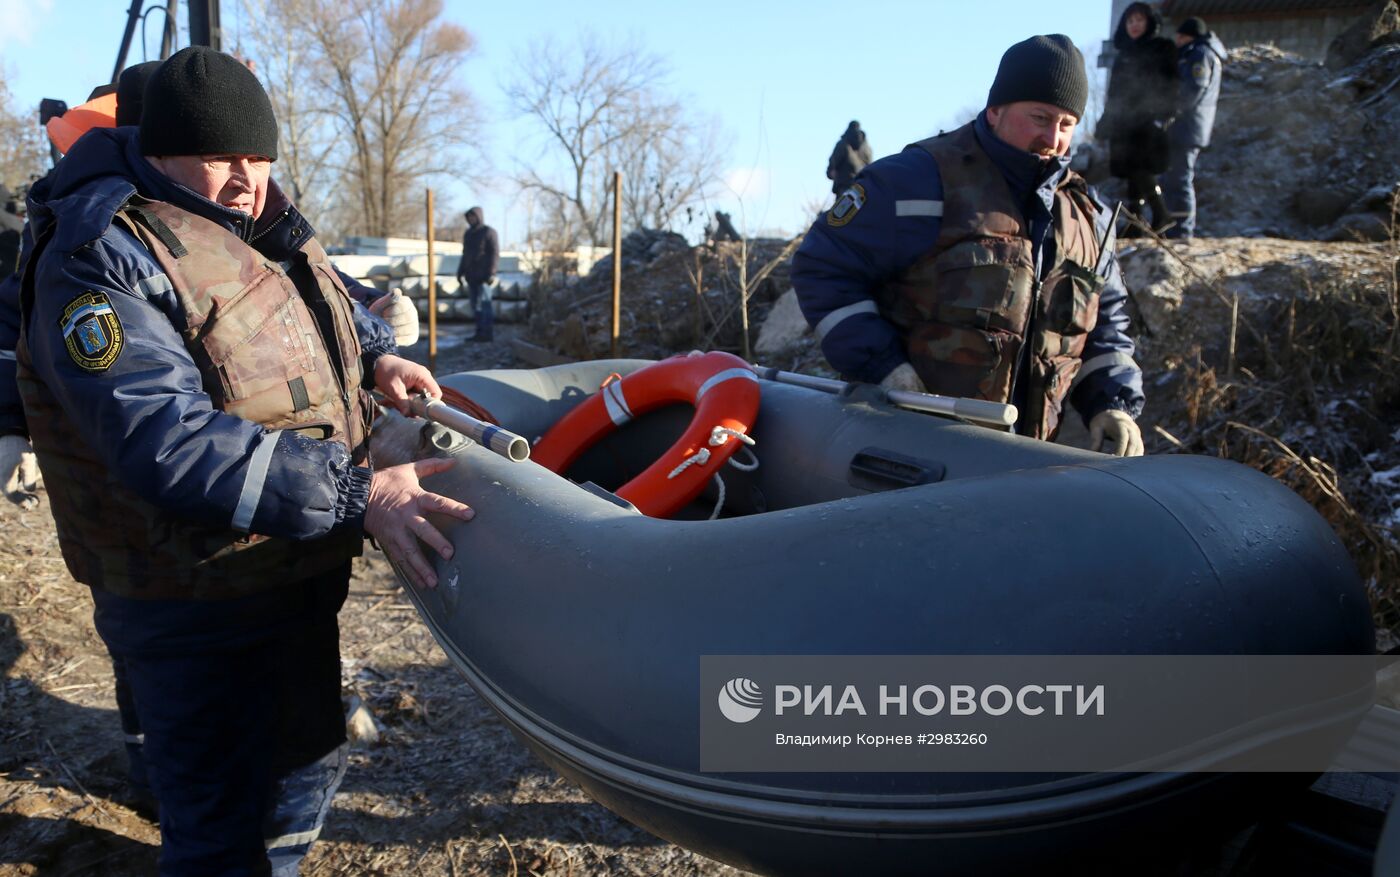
<point>783,77</point>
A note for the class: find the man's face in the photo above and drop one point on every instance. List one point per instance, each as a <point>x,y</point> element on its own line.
<point>238,182</point>
<point>1031,126</point>
<point>1182,39</point>
<point>1136,25</point>
<point>472,221</point>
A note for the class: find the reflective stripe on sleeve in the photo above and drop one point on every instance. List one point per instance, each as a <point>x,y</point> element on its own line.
<point>1101,362</point>
<point>154,285</point>
<point>830,321</point>
<point>253,482</point>
<point>918,207</point>
<point>7,354</point>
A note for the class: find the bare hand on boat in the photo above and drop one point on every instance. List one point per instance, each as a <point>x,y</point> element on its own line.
<point>397,378</point>
<point>1118,427</point>
<point>395,516</point>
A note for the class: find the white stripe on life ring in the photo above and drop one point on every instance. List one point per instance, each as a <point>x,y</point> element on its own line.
<point>728,374</point>
<point>618,409</point>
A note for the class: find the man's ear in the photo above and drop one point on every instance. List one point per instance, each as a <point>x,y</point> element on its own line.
<point>993,115</point>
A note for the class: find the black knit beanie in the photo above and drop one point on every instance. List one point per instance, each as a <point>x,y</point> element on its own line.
<point>131,90</point>
<point>202,102</point>
<point>1046,69</point>
<point>1193,27</point>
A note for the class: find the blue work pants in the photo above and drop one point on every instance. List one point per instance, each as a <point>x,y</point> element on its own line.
<point>238,702</point>
<point>1179,189</point>
<point>482,310</point>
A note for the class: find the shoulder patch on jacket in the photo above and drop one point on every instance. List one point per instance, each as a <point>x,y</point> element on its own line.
<point>847,206</point>
<point>92,332</point>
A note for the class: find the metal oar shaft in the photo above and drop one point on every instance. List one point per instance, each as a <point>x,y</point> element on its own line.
<point>978,410</point>
<point>501,441</point>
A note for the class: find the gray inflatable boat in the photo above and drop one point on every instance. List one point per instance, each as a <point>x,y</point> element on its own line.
<point>866,530</point>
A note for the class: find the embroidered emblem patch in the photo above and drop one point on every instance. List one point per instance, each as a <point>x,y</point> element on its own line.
<point>92,331</point>
<point>846,207</point>
<point>1200,73</point>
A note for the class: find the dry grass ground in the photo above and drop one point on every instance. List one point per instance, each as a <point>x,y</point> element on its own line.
<point>446,791</point>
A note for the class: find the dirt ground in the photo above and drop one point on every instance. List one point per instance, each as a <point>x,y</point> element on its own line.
<point>446,791</point>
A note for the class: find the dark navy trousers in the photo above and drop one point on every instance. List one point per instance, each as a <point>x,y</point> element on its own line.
<point>238,702</point>
<point>482,310</point>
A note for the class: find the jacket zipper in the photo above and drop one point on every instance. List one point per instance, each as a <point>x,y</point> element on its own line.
<point>270,226</point>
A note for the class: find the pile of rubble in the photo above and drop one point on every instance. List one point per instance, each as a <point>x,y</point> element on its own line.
<point>674,297</point>
<point>1303,151</point>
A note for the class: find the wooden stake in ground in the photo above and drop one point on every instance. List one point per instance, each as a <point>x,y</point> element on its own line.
<point>617,262</point>
<point>1234,329</point>
<point>432,292</point>
<point>744,297</point>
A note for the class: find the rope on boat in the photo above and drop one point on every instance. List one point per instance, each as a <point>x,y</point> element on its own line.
<point>720,435</point>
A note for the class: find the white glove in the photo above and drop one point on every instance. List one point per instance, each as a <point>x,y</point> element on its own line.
<point>20,469</point>
<point>400,314</point>
<point>1118,426</point>
<point>903,378</point>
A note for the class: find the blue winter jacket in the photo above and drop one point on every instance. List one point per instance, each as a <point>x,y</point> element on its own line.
<point>148,415</point>
<point>838,270</point>
<point>1200,67</point>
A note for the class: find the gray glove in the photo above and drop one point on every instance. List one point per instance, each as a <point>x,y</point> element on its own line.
<point>903,378</point>
<point>400,314</point>
<point>1120,428</point>
<point>20,469</point>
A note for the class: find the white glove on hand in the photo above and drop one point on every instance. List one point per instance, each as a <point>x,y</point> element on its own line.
<point>1118,426</point>
<point>396,310</point>
<point>20,469</point>
<point>903,378</point>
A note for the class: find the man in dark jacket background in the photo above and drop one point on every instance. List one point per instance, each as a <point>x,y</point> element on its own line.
<point>851,155</point>
<point>481,254</point>
<point>1200,67</point>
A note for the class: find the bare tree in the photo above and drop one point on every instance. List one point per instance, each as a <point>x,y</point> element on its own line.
<point>669,169</point>
<point>307,160</point>
<point>601,108</point>
<point>23,151</point>
<point>376,107</point>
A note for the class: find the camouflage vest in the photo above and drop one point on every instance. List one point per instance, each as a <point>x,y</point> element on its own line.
<point>964,308</point>
<point>262,357</point>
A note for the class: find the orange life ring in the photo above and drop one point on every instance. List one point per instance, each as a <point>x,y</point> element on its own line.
<point>724,391</point>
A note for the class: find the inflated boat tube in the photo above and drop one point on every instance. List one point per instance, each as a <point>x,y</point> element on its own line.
<point>866,531</point>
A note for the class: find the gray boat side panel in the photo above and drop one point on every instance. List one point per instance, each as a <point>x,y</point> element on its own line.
<point>1255,532</point>
<point>583,622</point>
<point>529,401</point>
<point>626,604</point>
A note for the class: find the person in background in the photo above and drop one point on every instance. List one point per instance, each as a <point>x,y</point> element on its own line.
<point>1139,105</point>
<point>849,157</point>
<point>1200,67</point>
<point>481,254</point>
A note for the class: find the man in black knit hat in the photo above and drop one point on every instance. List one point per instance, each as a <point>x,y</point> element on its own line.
<point>977,264</point>
<point>194,379</point>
